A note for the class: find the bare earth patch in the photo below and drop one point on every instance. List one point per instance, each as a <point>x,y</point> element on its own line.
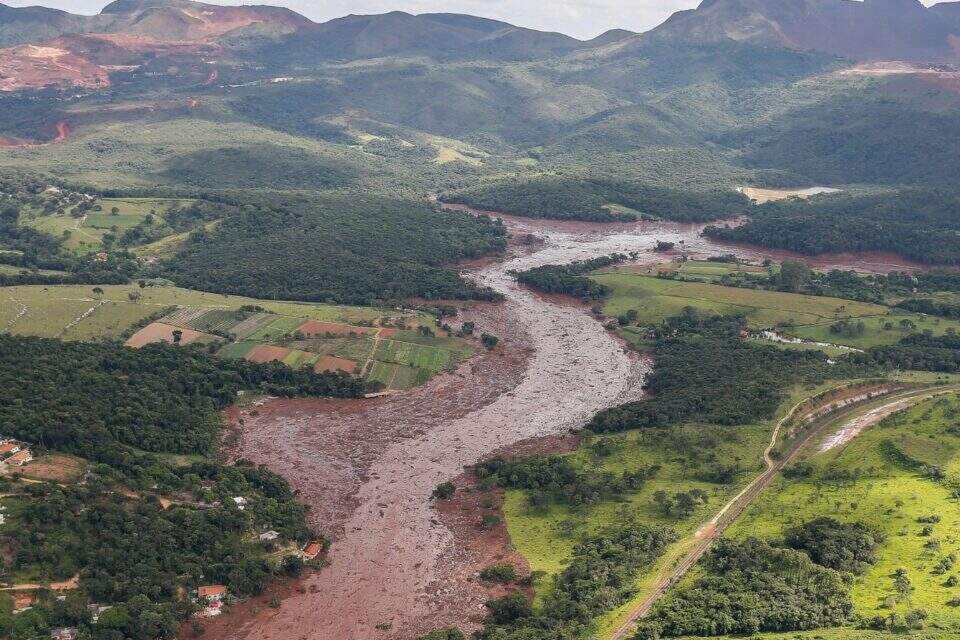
<point>160,332</point>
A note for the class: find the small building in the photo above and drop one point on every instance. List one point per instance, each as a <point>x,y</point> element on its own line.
<point>97,610</point>
<point>64,633</point>
<point>9,447</point>
<point>20,458</point>
<point>212,592</point>
<point>269,536</point>
<point>23,601</point>
<point>241,502</point>
<point>312,550</point>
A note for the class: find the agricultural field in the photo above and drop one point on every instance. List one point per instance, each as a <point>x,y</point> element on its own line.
<point>709,271</point>
<point>882,479</point>
<point>260,336</point>
<point>50,309</point>
<point>302,333</point>
<point>802,316</point>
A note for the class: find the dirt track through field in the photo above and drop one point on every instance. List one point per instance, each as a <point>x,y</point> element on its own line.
<point>897,400</point>
<point>367,469</point>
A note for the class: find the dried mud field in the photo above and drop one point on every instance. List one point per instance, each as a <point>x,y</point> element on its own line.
<point>399,566</point>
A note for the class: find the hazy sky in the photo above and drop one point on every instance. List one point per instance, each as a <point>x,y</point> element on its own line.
<point>580,18</point>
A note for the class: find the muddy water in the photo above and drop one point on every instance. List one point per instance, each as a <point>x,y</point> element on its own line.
<point>368,469</point>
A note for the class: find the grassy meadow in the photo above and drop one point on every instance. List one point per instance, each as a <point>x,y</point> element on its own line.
<point>802,316</point>
<point>889,495</point>
<point>51,309</point>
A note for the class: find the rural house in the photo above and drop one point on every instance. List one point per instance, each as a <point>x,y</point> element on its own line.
<point>9,447</point>
<point>269,536</point>
<point>212,592</point>
<point>20,458</point>
<point>312,550</point>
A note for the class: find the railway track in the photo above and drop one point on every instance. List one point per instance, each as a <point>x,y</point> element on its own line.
<point>735,507</point>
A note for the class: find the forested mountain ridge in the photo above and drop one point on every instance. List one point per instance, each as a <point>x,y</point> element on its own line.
<point>868,30</point>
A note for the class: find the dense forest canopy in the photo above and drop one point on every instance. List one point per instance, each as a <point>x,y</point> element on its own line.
<point>705,372</point>
<point>100,400</point>
<point>337,249</point>
<point>591,199</point>
<point>917,224</point>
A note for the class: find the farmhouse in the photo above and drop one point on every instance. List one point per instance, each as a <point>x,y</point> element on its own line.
<point>20,458</point>
<point>312,550</point>
<point>212,592</point>
<point>9,447</point>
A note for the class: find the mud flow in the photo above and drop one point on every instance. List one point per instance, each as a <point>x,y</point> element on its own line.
<point>368,468</point>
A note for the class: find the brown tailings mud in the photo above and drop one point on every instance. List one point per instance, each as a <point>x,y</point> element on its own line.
<point>368,468</point>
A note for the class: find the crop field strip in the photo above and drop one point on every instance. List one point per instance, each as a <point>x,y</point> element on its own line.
<point>74,313</point>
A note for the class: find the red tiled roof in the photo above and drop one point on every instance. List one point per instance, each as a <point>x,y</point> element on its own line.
<point>212,590</point>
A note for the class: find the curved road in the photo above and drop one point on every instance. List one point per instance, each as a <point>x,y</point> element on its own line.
<point>895,401</point>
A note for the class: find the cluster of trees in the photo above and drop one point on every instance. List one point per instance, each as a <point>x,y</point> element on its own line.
<point>681,504</point>
<point>918,351</point>
<point>98,400</point>
<point>567,198</point>
<point>341,249</point>
<point>135,555</point>
<point>125,411</point>
<point>930,307</point>
<point>846,547</point>
<point>916,224</point>
<point>175,220</point>
<point>848,328</point>
<point>556,478</point>
<point>25,247</point>
<point>599,577</point>
<point>703,371</point>
<point>752,587</point>
<point>570,279</point>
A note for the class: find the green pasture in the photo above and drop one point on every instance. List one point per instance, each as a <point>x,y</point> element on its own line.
<point>803,316</point>
<point>889,497</point>
<point>51,308</point>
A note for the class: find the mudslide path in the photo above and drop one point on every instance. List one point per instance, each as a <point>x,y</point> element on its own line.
<point>367,469</point>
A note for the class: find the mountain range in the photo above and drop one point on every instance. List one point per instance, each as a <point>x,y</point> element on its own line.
<point>859,30</point>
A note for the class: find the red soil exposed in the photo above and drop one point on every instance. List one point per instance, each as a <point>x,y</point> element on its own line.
<point>367,468</point>
<point>267,353</point>
<point>31,66</point>
<point>333,364</point>
<point>318,328</point>
<point>63,132</point>
<point>86,61</point>
<point>160,332</point>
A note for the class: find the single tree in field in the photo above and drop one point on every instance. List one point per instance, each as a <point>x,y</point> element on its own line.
<point>97,291</point>
<point>177,336</point>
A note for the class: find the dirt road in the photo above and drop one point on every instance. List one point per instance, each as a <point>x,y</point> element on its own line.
<point>895,401</point>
